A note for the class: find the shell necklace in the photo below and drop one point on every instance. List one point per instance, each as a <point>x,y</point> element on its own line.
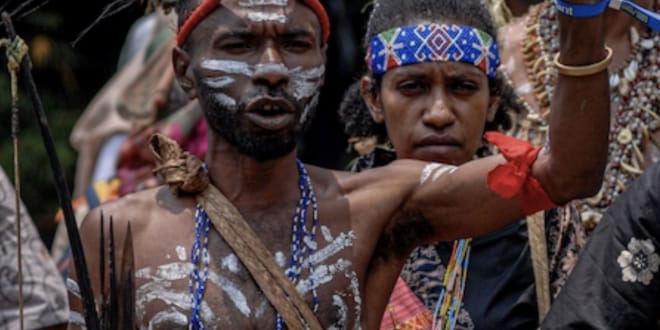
<point>634,94</point>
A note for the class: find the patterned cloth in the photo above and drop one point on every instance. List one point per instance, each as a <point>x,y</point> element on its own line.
<point>44,294</point>
<point>405,310</point>
<point>616,282</point>
<point>433,43</point>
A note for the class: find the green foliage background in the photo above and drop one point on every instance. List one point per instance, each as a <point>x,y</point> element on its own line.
<point>38,190</point>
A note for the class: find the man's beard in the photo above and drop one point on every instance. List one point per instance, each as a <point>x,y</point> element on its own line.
<point>229,122</point>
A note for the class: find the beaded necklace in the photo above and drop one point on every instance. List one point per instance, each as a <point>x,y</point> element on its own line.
<point>449,304</point>
<point>303,245</point>
<point>197,279</point>
<point>633,93</point>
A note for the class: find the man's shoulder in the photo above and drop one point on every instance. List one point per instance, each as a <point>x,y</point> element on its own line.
<point>142,206</point>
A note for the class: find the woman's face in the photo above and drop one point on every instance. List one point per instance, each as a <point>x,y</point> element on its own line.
<point>434,111</point>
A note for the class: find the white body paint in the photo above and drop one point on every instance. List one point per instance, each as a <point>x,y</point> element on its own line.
<point>280,259</point>
<point>181,253</point>
<point>327,235</point>
<point>357,297</point>
<point>343,241</point>
<point>159,288</point>
<point>342,310</point>
<point>230,263</point>
<point>322,274</point>
<point>169,317</point>
<point>159,283</point>
<point>434,171</point>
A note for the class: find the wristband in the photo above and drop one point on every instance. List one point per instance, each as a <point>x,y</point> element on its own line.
<point>584,70</point>
<point>581,10</point>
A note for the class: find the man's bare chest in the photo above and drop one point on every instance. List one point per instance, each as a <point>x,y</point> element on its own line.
<point>325,277</point>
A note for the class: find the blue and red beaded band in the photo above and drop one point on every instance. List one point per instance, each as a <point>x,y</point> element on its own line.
<point>581,10</point>
<point>433,43</point>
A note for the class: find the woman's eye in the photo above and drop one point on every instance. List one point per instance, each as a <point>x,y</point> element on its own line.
<point>413,87</point>
<point>466,86</point>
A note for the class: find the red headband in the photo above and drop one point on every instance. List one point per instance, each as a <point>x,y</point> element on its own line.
<point>207,6</point>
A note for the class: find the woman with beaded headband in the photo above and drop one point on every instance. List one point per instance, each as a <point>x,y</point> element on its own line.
<point>528,50</point>
<point>500,300</point>
<point>299,246</point>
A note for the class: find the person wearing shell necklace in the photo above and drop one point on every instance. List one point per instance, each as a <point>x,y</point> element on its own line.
<point>528,50</point>
<point>298,246</point>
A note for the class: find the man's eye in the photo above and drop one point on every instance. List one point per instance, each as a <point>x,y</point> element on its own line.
<point>236,46</point>
<point>297,45</point>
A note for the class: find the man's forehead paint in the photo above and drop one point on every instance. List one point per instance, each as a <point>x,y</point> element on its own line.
<point>255,3</point>
<point>207,6</point>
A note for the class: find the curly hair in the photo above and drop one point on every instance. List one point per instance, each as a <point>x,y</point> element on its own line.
<point>388,14</point>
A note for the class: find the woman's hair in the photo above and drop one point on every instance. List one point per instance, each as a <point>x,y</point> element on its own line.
<point>388,14</point>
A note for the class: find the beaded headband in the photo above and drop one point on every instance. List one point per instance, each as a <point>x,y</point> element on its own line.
<point>207,6</point>
<point>433,43</point>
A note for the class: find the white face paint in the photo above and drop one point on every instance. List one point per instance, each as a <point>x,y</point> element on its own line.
<point>218,82</point>
<point>181,253</point>
<point>255,3</point>
<point>304,82</point>
<point>327,235</point>
<point>225,101</point>
<point>313,102</point>
<point>228,67</point>
<point>434,171</point>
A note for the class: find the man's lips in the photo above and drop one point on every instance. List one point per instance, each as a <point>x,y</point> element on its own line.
<point>270,113</point>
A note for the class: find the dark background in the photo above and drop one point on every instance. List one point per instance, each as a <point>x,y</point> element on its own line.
<point>68,76</point>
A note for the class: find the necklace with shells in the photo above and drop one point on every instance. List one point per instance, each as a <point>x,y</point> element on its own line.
<point>634,94</point>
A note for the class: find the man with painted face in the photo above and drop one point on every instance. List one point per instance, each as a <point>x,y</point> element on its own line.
<point>340,238</point>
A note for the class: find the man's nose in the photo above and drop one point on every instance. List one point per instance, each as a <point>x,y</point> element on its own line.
<point>271,69</point>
